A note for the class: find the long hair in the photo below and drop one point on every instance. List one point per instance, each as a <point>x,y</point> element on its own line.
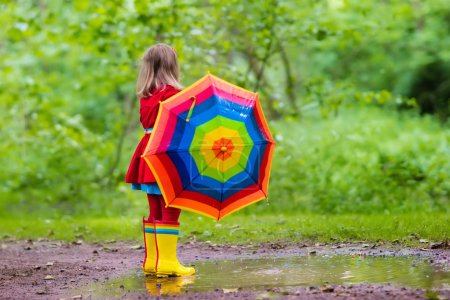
<point>159,67</point>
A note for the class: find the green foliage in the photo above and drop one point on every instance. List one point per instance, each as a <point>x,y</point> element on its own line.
<point>371,161</point>
<point>375,45</point>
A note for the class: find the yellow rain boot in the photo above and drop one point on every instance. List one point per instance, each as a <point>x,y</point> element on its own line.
<point>167,263</point>
<point>150,248</point>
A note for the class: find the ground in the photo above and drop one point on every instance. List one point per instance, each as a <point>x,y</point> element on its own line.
<point>43,269</point>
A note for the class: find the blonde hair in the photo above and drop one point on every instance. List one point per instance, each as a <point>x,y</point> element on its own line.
<point>159,67</point>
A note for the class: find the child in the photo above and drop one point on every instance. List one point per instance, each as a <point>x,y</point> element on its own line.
<point>157,81</point>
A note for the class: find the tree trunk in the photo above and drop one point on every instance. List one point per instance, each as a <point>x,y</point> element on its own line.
<point>257,70</point>
<point>290,80</point>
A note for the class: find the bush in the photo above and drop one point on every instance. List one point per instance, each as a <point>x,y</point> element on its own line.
<point>361,161</point>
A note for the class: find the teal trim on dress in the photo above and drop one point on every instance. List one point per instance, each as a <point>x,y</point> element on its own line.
<point>149,188</point>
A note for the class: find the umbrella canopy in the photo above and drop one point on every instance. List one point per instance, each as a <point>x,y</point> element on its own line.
<point>211,148</point>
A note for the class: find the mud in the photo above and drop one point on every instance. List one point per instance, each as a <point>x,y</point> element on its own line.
<point>52,269</point>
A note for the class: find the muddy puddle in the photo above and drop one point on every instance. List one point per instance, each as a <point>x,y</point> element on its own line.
<point>285,272</point>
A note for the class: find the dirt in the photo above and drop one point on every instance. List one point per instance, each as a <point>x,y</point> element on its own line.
<point>45,269</point>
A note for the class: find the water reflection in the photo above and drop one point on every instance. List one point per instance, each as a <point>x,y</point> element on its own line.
<point>167,286</point>
<point>262,273</point>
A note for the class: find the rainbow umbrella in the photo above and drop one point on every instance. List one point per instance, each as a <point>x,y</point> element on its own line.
<point>211,148</point>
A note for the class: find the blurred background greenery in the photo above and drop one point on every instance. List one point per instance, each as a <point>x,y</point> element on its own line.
<point>356,93</point>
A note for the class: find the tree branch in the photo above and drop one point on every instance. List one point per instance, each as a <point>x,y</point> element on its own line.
<point>290,81</point>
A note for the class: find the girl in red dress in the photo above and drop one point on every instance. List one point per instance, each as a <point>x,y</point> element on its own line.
<point>157,81</point>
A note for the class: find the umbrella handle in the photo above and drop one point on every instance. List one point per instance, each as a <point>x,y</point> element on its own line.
<point>191,109</point>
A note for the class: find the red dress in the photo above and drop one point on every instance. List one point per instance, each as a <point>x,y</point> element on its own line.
<point>139,171</point>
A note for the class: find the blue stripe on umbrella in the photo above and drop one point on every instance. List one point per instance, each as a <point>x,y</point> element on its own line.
<point>208,110</point>
<point>253,129</point>
<point>233,110</point>
<point>204,111</point>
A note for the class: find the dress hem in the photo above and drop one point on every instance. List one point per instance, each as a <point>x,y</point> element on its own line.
<point>149,188</point>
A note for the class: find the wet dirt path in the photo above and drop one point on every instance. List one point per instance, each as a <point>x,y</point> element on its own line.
<point>50,269</point>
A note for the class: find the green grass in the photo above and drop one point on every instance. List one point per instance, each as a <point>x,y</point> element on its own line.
<point>242,229</point>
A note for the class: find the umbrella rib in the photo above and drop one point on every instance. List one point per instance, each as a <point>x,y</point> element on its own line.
<point>221,192</point>
<point>199,149</point>
<point>244,124</point>
<point>245,170</point>
<point>199,173</point>
<point>215,105</point>
<point>182,150</point>
<point>221,183</point>
<point>215,95</point>
<point>195,177</point>
<point>195,128</point>
<point>179,117</point>
<point>245,144</point>
<point>198,126</point>
<point>245,119</point>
